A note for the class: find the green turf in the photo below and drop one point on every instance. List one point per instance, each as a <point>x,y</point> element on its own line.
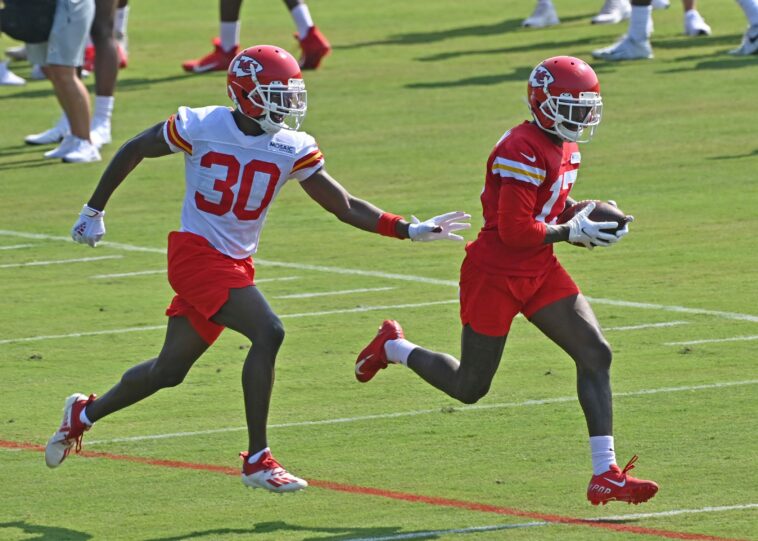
<point>406,110</point>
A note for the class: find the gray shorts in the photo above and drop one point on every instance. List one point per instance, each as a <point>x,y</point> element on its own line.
<point>68,37</point>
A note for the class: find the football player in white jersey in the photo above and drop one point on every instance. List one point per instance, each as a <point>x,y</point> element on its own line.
<point>235,163</point>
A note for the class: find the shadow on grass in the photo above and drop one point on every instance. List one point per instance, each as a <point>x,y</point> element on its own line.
<point>735,156</point>
<point>44,533</point>
<point>415,38</point>
<point>27,164</point>
<point>265,529</point>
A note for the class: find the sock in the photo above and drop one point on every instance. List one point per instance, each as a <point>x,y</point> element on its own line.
<point>750,7</point>
<point>230,35</point>
<point>120,21</point>
<point>83,417</point>
<point>63,123</point>
<point>641,23</point>
<point>603,455</point>
<point>103,109</point>
<point>398,350</point>
<point>252,459</point>
<point>302,17</point>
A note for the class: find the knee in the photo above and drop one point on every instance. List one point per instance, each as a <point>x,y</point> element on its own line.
<point>163,376</point>
<point>268,334</point>
<point>597,357</point>
<point>472,392</point>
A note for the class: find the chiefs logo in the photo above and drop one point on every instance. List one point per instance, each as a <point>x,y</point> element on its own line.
<point>245,65</point>
<point>540,77</point>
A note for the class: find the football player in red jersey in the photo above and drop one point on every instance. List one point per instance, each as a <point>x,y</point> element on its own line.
<point>236,161</point>
<point>313,44</point>
<point>510,268</point>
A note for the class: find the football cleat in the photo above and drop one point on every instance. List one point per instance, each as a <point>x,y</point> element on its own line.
<point>89,58</point>
<point>661,4</point>
<point>66,146</point>
<point>100,133</point>
<point>612,12</point>
<point>7,77</point>
<point>314,47</point>
<point>53,135</point>
<point>749,43</point>
<point>617,485</point>
<point>373,357</point>
<point>217,60</point>
<point>269,474</point>
<point>544,14</point>
<point>625,49</point>
<point>83,151</point>
<point>16,53</point>
<point>695,25</point>
<point>70,433</point>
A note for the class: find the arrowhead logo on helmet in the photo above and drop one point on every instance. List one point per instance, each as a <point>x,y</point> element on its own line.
<point>540,77</point>
<point>244,65</point>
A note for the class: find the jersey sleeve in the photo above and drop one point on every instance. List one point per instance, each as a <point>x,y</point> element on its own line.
<point>177,130</point>
<point>516,225</point>
<point>518,161</point>
<point>307,161</point>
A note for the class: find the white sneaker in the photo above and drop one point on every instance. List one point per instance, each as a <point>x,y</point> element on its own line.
<point>82,152</point>
<point>16,53</point>
<point>695,25</point>
<point>544,15</point>
<point>64,148</point>
<point>37,74</point>
<point>661,4</point>
<point>749,43</point>
<point>7,77</point>
<point>100,134</point>
<point>612,12</point>
<point>625,49</point>
<point>69,434</point>
<point>269,474</point>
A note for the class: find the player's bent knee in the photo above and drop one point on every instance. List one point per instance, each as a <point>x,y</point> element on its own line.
<point>597,356</point>
<point>471,394</point>
<point>163,377</point>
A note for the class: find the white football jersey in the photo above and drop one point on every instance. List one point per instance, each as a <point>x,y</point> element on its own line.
<point>232,178</point>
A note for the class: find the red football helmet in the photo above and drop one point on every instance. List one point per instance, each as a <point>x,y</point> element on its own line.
<point>564,98</point>
<point>265,83</point>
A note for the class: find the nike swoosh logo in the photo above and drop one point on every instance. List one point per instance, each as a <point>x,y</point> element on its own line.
<point>530,158</point>
<point>360,364</point>
<point>752,39</point>
<point>203,69</point>
<point>622,484</point>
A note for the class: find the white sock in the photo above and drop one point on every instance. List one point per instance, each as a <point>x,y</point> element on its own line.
<point>252,459</point>
<point>121,20</point>
<point>230,35</point>
<point>398,350</point>
<point>63,123</point>
<point>83,417</point>
<point>103,109</point>
<point>302,17</point>
<point>641,23</point>
<point>750,7</point>
<point>603,455</point>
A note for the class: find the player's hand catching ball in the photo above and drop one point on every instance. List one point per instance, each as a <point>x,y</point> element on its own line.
<point>438,228</point>
<point>582,230</point>
<point>90,227</point>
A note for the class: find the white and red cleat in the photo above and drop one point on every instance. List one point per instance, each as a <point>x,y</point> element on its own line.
<point>216,60</point>
<point>617,485</point>
<point>373,357</point>
<point>314,47</point>
<point>269,474</point>
<point>70,433</point>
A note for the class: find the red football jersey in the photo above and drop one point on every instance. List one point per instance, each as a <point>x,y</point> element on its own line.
<point>528,180</point>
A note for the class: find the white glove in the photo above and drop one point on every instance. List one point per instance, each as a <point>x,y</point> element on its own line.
<point>89,228</point>
<point>584,231</point>
<point>439,227</point>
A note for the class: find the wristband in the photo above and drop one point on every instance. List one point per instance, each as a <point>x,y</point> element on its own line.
<point>386,225</point>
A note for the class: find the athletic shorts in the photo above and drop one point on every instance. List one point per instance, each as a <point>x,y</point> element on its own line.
<point>68,37</point>
<point>489,302</point>
<point>202,276</point>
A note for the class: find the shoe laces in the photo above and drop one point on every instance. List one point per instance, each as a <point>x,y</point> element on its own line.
<point>630,465</point>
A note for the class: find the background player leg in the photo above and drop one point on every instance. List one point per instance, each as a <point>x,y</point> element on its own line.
<point>247,312</point>
<point>466,380</point>
<point>181,348</point>
<point>106,70</point>
<point>571,323</point>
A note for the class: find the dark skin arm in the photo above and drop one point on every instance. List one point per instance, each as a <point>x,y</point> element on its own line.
<point>148,144</point>
<point>558,233</point>
<point>328,193</point>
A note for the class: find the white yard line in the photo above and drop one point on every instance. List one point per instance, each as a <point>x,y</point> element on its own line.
<point>646,326</point>
<point>406,277</point>
<point>79,334</point>
<point>329,293</point>
<point>413,413</point>
<point>128,274</point>
<point>16,246</point>
<point>498,527</point>
<point>59,261</point>
<point>714,340</point>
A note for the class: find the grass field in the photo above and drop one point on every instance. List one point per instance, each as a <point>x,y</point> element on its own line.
<point>406,111</point>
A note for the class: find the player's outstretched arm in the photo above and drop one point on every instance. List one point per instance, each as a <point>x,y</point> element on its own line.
<point>328,193</point>
<point>90,228</point>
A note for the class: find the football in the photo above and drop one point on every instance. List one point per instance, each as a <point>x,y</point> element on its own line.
<point>603,212</point>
